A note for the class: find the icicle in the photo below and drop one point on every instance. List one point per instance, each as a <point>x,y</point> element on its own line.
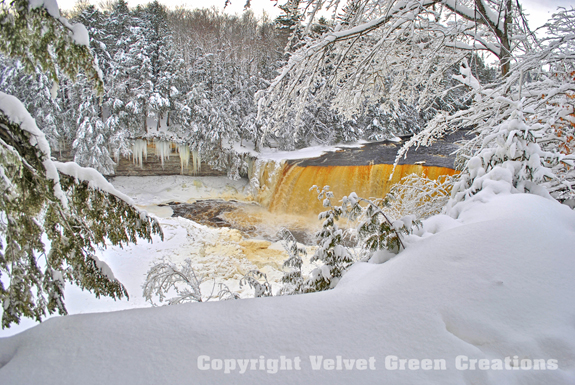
<point>184,152</point>
<point>163,150</point>
<point>196,161</point>
<point>140,151</point>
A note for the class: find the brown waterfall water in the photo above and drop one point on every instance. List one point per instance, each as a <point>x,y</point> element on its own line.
<point>367,170</point>
<point>292,194</point>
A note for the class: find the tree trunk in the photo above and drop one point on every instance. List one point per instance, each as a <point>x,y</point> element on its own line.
<point>505,58</point>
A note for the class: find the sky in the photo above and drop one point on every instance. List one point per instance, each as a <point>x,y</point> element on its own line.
<point>539,10</point>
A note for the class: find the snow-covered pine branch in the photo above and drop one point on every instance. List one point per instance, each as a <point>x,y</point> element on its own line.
<point>76,214</point>
<point>30,28</point>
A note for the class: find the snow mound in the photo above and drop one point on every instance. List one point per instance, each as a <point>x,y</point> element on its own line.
<point>494,285</point>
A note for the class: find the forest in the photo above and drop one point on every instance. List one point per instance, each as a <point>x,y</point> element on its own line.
<point>191,77</point>
<point>476,262</point>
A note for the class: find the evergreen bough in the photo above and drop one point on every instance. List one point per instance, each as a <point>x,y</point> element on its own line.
<point>52,223</point>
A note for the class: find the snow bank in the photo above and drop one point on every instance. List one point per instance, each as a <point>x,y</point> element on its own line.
<point>495,284</point>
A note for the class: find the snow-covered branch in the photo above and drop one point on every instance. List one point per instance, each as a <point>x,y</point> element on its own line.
<point>397,49</point>
<point>165,277</point>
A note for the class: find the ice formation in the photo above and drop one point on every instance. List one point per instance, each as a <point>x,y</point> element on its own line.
<point>140,151</point>
<point>196,161</point>
<point>163,150</point>
<point>184,152</point>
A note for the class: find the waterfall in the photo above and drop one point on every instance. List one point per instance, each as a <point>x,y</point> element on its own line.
<point>264,176</point>
<point>285,188</point>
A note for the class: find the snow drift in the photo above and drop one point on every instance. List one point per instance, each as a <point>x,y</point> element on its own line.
<point>494,284</point>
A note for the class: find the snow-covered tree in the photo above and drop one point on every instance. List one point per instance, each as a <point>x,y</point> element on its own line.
<point>39,94</point>
<point>75,208</point>
<point>331,252</point>
<point>293,280</point>
<point>524,125</point>
<point>120,122</point>
<point>166,276</point>
<point>92,135</point>
<point>393,48</point>
<point>164,62</point>
<point>87,109</point>
<point>419,196</point>
<point>227,59</point>
<point>252,279</point>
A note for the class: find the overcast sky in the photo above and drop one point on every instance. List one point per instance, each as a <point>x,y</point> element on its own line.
<point>539,10</point>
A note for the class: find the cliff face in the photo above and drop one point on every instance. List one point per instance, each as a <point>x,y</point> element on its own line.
<point>153,164</point>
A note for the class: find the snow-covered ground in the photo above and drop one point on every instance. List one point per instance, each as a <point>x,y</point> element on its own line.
<point>486,298</point>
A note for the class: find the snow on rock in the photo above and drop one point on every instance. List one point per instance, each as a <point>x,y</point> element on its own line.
<point>267,153</point>
<point>496,286</point>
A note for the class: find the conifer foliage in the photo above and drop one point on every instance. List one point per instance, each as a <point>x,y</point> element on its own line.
<point>335,257</point>
<point>53,215</point>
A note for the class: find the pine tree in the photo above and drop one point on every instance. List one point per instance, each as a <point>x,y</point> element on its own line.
<point>293,281</point>
<point>163,62</point>
<point>74,208</point>
<point>117,24</point>
<point>289,25</point>
<point>93,130</point>
<point>38,93</point>
<point>331,252</point>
